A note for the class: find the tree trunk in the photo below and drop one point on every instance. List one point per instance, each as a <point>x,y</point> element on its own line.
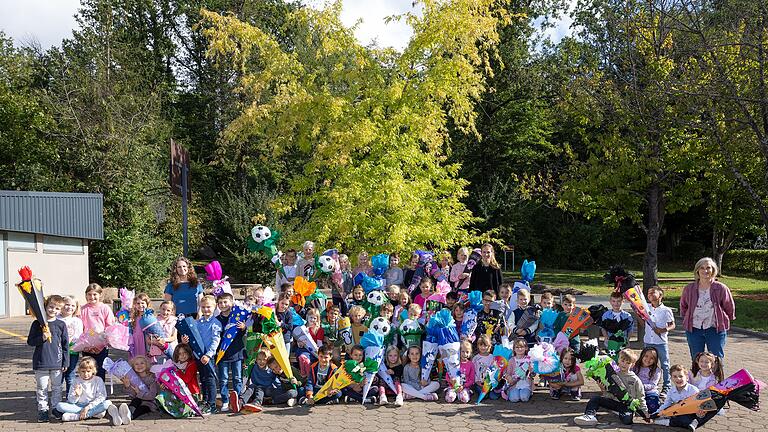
<point>721,242</point>
<point>656,211</point>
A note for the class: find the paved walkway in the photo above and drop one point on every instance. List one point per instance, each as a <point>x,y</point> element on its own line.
<point>18,409</point>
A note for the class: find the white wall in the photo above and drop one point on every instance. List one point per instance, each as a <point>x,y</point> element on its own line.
<point>62,273</point>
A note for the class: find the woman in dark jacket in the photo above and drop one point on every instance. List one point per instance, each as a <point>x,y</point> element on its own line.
<point>487,273</point>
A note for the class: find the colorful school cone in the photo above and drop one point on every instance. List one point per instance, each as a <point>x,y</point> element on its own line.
<point>32,291</point>
<point>443,327</point>
<point>492,375</point>
<point>252,344</point>
<point>637,300</point>
<point>578,319</point>
<point>188,326</point>
<point>387,378</point>
<point>345,332</point>
<point>236,316</point>
<point>373,343</point>
<point>301,333</point>
<point>351,371</point>
<point>601,369</point>
<point>176,385</point>
<point>738,379</point>
<point>701,401</point>
<point>122,369</point>
<point>264,240</point>
<point>274,340</point>
<point>474,257</point>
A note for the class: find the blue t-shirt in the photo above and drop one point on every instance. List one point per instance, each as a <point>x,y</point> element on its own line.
<point>185,297</point>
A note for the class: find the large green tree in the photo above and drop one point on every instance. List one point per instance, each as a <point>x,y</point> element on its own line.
<point>369,127</point>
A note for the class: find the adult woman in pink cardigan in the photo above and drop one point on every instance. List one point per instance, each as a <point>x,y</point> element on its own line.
<point>707,309</point>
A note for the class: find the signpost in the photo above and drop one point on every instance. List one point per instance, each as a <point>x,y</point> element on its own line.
<point>179,182</point>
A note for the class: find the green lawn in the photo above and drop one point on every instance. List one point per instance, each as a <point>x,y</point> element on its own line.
<point>750,292</point>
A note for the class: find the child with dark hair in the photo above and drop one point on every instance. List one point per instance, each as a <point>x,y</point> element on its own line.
<point>647,369</point>
<point>571,378</point>
<point>319,372</point>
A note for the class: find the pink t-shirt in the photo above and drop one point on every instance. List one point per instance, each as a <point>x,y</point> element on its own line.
<point>466,373</point>
<point>481,363</point>
<point>96,317</point>
<point>420,300</point>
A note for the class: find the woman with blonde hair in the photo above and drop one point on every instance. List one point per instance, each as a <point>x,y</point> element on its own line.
<point>486,275</point>
<point>707,308</point>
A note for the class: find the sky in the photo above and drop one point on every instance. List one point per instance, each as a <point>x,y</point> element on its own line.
<point>49,21</point>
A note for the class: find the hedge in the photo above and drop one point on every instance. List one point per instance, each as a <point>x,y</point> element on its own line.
<point>746,260</point>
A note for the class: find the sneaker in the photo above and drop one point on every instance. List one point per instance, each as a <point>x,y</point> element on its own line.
<point>100,415</point>
<point>56,414</point>
<point>554,395</point>
<point>430,397</point>
<point>694,424</point>
<point>435,396</point>
<point>303,400</point>
<point>661,421</point>
<point>42,416</point>
<point>252,408</point>
<point>346,399</point>
<point>68,417</point>
<point>332,401</point>
<point>383,399</point>
<point>125,414</point>
<point>224,407</point>
<point>409,397</point>
<point>585,420</point>
<point>399,400</point>
<point>234,402</point>
<point>114,415</point>
<point>575,397</point>
<point>373,400</point>
<point>291,402</point>
<point>206,410</point>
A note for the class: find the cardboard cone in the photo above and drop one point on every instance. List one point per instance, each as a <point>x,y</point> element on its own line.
<point>31,290</point>
<point>337,381</point>
<point>637,300</point>
<point>176,385</point>
<point>276,345</point>
<point>384,376</point>
<point>577,320</point>
<point>428,355</point>
<point>690,405</point>
<point>375,353</point>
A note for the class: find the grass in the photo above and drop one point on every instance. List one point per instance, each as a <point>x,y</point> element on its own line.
<point>750,291</point>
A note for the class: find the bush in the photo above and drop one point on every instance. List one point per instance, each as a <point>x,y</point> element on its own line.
<point>746,260</point>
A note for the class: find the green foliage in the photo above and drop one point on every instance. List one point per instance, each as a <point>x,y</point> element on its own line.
<point>746,260</point>
<point>368,126</point>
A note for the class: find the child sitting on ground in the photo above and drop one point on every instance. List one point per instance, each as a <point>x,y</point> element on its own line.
<point>413,386</point>
<point>482,361</point>
<point>608,401</point>
<point>88,397</point>
<point>393,367</point>
<point>354,391</point>
<point>466,374</point>
<point>681,389</point>
<point>571,377</point>
<point>142,400</point>
<point>319,372</point>
<point>519,374</point>
<point>647,369</point>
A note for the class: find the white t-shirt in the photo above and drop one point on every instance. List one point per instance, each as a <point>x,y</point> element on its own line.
<point>660,317</point>
<point>704,314</point>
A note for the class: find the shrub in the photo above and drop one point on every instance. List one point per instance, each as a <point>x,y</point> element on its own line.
<point>746,260</point>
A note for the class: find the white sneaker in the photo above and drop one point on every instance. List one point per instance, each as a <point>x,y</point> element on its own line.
<point>585,420</point>
<point>661,421</point>
<point>68,417</point>
<point>291,402</point>
<point>125,414</point>
<point>114,415</point>
<point>100,415</point>
<point>399,400</point>
<point>383,399</point>
<point>224,408</point>
<point>694,424</point>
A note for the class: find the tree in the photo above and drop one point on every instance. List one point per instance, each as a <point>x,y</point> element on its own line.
<point>640,160</point>
<point>370,125</point>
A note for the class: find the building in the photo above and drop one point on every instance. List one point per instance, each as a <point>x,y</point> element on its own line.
<point>49,232</point>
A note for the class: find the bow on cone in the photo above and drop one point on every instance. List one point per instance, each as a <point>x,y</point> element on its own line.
<point>351,371</point>
<point>32,291</point>
<point>274,340</point>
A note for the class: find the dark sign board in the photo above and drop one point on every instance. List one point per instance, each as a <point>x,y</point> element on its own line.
<point>179,159</point>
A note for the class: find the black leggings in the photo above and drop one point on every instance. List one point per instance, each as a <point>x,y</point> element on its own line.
<point>598,402</point>
<point>138,408</point>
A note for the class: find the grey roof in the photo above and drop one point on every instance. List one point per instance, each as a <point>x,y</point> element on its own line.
<point>77,215</point>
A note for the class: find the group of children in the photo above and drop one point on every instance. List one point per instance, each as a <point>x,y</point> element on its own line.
<point>501,320</point>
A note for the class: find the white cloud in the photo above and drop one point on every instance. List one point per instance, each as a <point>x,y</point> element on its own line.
<point>43,21</point>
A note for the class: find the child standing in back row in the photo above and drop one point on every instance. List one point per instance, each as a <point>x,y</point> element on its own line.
<point>70,314</point>
<point>96,317</point>
<point>51,356</point>
<point>657,329</point>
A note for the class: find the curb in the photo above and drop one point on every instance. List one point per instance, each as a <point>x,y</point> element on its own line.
<point>748,332</point>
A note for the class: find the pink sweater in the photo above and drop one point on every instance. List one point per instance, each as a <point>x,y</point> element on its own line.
<point>96,317</point>
<point>467,373</point>
<point>722,301</point>
<point>456,271</point>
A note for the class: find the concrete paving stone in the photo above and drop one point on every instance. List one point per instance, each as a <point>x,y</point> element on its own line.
<point>18,411</point>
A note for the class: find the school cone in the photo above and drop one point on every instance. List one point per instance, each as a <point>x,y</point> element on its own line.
<point>340,379</point>
<point>32,291</point>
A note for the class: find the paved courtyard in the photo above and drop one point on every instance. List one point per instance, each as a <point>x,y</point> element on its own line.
<point>18,409</point>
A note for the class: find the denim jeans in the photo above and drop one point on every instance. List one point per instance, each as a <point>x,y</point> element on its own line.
<point>518,395</point>
<point>714,340</point>
<point>70,373</point>
<point>66,407</point>
<point>207,384</point>
<point>43,378</point>
<point>236,367</point>
<point>663,351</point>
